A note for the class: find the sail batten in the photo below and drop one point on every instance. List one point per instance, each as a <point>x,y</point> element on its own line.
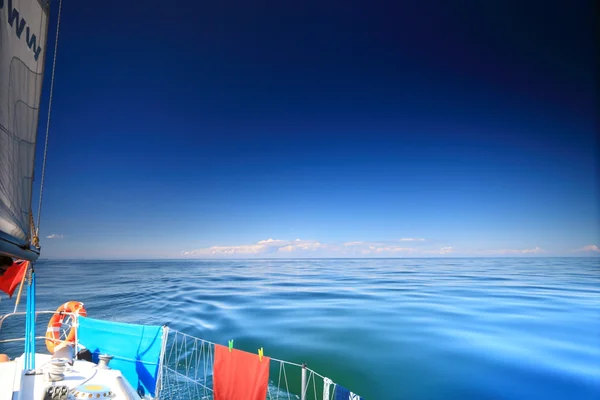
<point>23,31</point>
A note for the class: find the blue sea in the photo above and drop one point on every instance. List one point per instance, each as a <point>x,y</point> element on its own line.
<point>477,328</point>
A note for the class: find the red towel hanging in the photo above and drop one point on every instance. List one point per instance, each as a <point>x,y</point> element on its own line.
<point>238,375</point>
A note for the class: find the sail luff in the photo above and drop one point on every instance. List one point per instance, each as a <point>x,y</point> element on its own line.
<point>23,32</point>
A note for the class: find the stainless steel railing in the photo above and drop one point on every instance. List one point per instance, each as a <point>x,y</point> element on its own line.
<point>74,317</point>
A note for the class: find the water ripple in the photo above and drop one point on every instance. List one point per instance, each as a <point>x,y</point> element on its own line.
<point>388,329</point>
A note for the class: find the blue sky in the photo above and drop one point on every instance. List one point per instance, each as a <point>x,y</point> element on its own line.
<point>317,130</point>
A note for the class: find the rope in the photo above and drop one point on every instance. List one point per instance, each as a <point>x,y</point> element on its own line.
<point>48,120</point>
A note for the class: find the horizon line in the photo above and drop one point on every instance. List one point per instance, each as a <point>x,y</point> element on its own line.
<point>302,258</point>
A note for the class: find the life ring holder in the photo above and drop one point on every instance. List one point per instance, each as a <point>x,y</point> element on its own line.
<point>55,333</point>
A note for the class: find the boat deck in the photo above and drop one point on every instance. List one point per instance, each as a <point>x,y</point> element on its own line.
<point>15,385</point>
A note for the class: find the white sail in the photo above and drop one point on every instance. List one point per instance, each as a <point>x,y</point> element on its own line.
<point>23,31</point>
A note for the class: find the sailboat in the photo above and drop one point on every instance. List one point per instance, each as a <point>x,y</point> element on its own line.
<point>83,357</point>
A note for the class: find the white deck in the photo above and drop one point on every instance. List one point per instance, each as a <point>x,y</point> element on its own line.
<point>14,385</point>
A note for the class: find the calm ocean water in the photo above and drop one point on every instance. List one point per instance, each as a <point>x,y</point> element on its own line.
<point>387,329</point>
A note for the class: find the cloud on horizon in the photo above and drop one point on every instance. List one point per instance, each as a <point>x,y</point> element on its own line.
<point>277,248</point>
<point>506,252</point>
<point>590,248</point>
<point>55,236</point>
<point>313,248</point>
<point>262,247</point>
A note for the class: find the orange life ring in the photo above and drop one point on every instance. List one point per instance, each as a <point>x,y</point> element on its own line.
<point>55,324</point>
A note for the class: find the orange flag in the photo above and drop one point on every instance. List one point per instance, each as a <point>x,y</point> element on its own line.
<point>12,276</point>
<point>238,375</point>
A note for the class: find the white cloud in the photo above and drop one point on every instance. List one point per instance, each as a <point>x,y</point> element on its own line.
<point>392,248</point>
<point>55,236</point>
<point>446,250</point>
<point>373,248</point>
<point>440,251</point>
<point>349,244</point>
<point>309,248</point>
<point>412,240</point>
<point>501,252</point>
<point>589,248</point>
<point>262,247</point>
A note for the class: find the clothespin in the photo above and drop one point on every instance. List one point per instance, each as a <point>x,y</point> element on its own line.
<point>260,354</point>
<point>230,345</point>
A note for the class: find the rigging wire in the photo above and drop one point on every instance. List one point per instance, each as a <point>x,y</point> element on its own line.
<point>37,232</point>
